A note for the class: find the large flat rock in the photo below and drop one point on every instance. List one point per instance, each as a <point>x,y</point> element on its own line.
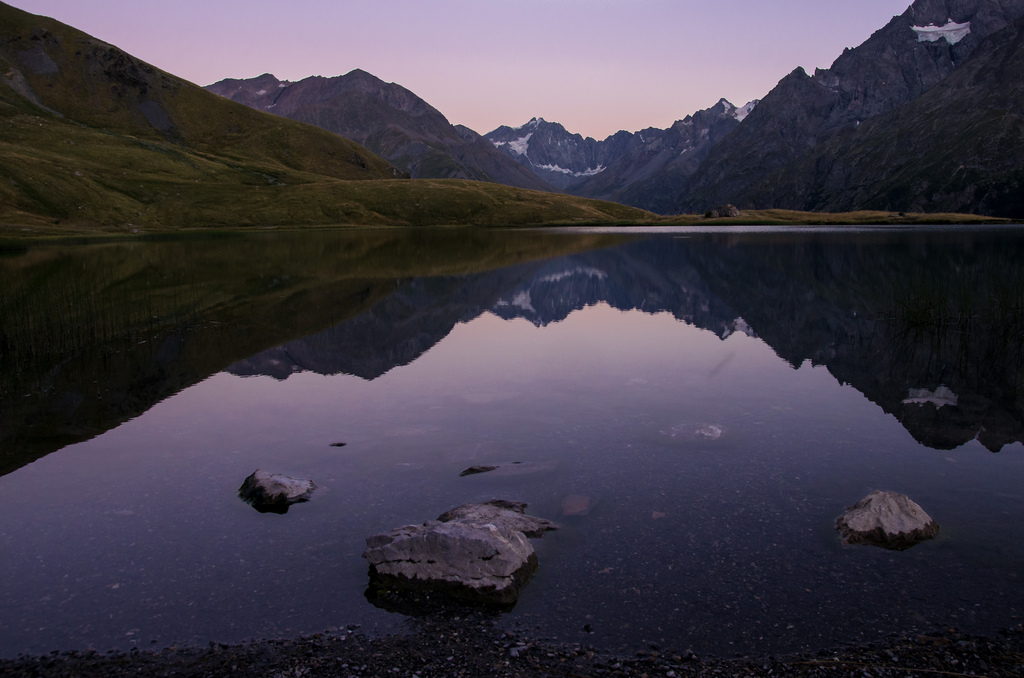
<point>475,552</point>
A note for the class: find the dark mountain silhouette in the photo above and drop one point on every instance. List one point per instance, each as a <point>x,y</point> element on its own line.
<point>923,116</point>
<point>781,154</point>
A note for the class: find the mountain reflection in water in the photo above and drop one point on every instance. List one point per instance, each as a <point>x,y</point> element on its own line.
<point>891,315</point>
<point>714,402</point>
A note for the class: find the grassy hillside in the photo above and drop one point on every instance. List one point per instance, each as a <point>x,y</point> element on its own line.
<point>90,83</point>
<point>94,140</point>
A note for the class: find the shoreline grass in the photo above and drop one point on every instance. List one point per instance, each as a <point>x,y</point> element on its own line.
<point>16,236</point>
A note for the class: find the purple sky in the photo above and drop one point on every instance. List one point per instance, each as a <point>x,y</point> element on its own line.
<point>596,66</point>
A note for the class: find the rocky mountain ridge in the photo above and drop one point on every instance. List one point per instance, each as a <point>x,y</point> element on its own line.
<point>958,145</point>
<point>386,118</point>
<point>899,63</point>
<point>640,169</point>
<point>808,144</point>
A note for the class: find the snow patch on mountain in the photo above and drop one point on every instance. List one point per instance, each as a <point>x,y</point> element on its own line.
<point>561,170</point>
<point>738,326</point>
<point>520,299</point>
<point>520,146</point>
<point>579,270</point>
<point>952,32</point>
<point>743,111</point>
<point>940,397</point>
<point>534,122</point>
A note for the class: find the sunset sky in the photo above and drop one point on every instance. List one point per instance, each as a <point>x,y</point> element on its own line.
<point>596,66</point>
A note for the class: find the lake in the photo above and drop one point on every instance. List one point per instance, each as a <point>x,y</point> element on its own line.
<point>693,409</point>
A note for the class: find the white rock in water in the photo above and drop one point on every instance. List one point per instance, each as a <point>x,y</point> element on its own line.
<point>887,519</point>
<point>478,552</point>
<point>273,492</point>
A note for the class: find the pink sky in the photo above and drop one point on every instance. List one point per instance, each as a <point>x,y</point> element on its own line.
<point>596,66</point>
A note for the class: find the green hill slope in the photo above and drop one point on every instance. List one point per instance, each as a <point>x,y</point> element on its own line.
<point>95,140</point>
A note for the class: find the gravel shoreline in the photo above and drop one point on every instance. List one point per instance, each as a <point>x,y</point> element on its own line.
<point>474,646</point>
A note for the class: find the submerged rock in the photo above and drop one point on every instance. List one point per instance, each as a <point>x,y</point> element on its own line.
<point>695,431</point>
<point>473,470</point>
<point>887,519</point>
<point>273,492</point>
<point>510,469</point>
<point>577,505</point>
<point>475,552</point>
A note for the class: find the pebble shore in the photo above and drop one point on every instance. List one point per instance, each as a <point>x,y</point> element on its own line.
<point>475,646</point>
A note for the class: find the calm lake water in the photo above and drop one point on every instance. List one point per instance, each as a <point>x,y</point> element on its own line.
<point>714,399</point>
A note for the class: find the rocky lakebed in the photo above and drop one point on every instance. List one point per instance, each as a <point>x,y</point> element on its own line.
<point>453,577</point>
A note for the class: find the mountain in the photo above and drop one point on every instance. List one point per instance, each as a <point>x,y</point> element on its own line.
<point>94,140</point>
<point>558,156</point>
<point>922,117</point>
<point>386,118</point>
<point>898,64</point>
<point>52,68</point>
<point>957,146</point>
<point>641,169</point>
<point>655,162</point>
<point>92,134</point>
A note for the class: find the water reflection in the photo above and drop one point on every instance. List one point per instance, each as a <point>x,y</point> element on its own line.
<point>694,413</point>
<point>893,315</point>
<point>93,336</point>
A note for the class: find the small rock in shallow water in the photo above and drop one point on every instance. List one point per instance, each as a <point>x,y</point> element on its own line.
<point>887,519</point>
<point>273,492</point>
